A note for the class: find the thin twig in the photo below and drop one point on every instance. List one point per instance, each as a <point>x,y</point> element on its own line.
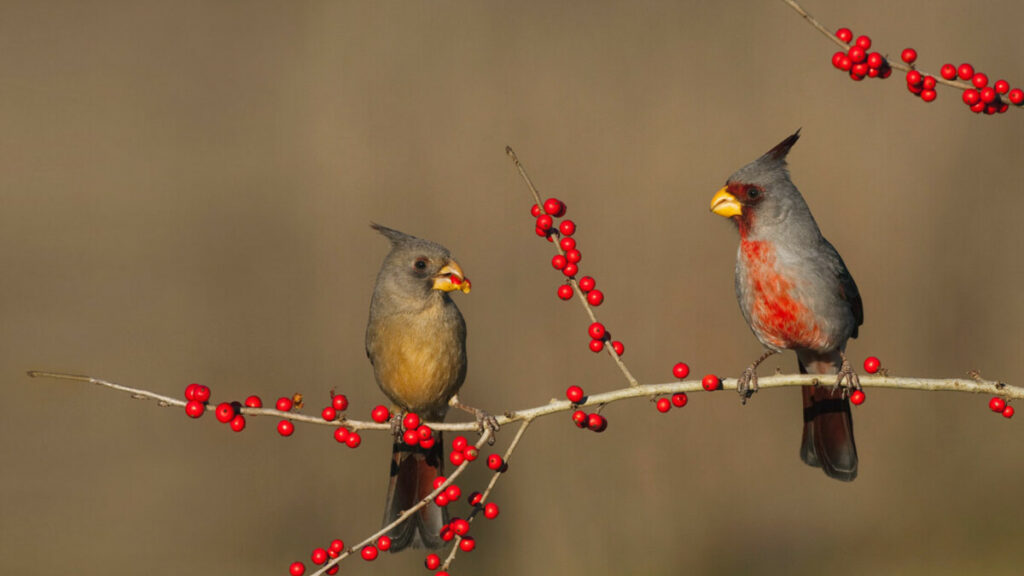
<point>572,279</point>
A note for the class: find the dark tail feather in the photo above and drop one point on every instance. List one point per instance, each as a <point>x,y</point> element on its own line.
<point>828,432</point>
<point>413,471</point>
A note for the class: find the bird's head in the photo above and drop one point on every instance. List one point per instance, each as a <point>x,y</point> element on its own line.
<point>416,268</point>
<point>760,192</point>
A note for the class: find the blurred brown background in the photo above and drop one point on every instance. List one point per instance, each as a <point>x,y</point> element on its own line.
<point>186,191</point>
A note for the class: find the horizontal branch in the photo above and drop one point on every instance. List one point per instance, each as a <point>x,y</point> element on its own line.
<point>972,385</point>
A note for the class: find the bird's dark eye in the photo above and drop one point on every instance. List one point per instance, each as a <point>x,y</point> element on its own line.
<point>420,263</point>
<point>753,193</point>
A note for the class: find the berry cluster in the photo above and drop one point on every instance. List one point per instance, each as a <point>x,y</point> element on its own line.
<point>462,451</point>
<point>857,60</point>
<point>581,419</point>
<point>567,262</point>
<point>981,98</point>
<point>663,405</point>
<point>198,396</point>
<point>319,557</point>
<point>1000,406</point>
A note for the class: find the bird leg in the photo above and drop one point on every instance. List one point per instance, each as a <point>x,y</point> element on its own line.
<point>746,384</point>
<point>397,415</point>
<point>846,373</point>
<point>483,419</point>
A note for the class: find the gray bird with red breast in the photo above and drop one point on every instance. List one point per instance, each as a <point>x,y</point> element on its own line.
<point>416,341</point>
<point>796,294</point>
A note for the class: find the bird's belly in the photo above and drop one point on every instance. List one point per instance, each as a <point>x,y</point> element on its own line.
<point>420,374</point>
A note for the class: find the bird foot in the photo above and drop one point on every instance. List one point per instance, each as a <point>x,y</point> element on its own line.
<point>484,420</point>
<point>746,384</point>
<point>396,424</point>
<point>847,375</point>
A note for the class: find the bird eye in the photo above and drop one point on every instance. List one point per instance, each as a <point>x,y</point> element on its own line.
<point>753,193</point>
<point>420,263</point>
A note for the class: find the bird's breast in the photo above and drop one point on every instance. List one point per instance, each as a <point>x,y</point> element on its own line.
<point>773,301</point>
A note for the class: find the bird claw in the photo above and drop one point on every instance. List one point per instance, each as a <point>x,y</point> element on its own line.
<point>846,374</point>
<point>485,421</point>
<point>746,384</point>
<point>396,424</point>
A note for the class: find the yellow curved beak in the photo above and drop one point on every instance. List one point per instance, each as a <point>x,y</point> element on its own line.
<point>451,278</point>
<point>726,205</point>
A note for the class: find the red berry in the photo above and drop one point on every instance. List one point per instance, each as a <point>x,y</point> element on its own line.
<point>864,42</point>
<point>190,391</point>
<point>914,78</point>
<point>284,404</point>
<point>424,432</point>
<point>565,291</point>
<point>579,418</point>
<point>971,97</point>
<point>459,443</point>
<point>460,526</point>
<point>453,493</point>
<point>341,434</point>
<point>1003,107</point>
<point>837,59</point>
<point>545,222</point>
<point>494,462</point>
<point>319,556</point>
<point>254,402</point>
<point>380,414</point>
<point>965,71</point>
<point>329,413</point>
<point>285,428</point>
<point>442,500</point>
<point>237,423</point>
<point>534,210</point>
<point>857,397</point>
<point>1016,96</point>
<point>875,60</point>
<point>438,481</point>
<point>447,534</point>
<point>574,394</point>
<point>885,72</point>
<point>384,543</point>
<point>988,94</point>
<point>978,106</point>
<point>297,569</point>
<point>597,423</point>
<point>202,393</point>
<point>411,421</point>
<point>979,80</point>
<point>491,511</point>
<point>336,546</point>
<point>587,283</point>
<point>555,207</point>
<point>915,88</point>
<point>369,552</point>
<point>567,243</point>
<point>433,562</point>
<point>948,71</point>
<point>928,83</point>
<point>567,227</point>
<point>857,54</point>
<point>427,443</point>
<point>596,345</point>
<point>573,256</point>
<point>543,233</point>
<point>996,404</point>
<point>679,400</point>
<point>859,71</point>
<point>558,262</point>
<point>845,63</point>
<point>353,440</point>
<point>681,370</point>
<point>596,331</point>
<point>467,544</point>
<point>928,95</point>
<point>909,55</point>
<point>1008,412</point>
<point>874,72</point>
<point>570,270</point>
<point>456,458</point>
<point>475,498</point>
<point>1002,86</point>
<point>471,453</point>
<point>410,437</point>
<point>872,364</point>
<point>844,34</point>
<point>710,382</point>
<point>619,348</point>
<point>663,405</point>
<point>194,408</point>
<point>595,297</point>
<point>225,412</point>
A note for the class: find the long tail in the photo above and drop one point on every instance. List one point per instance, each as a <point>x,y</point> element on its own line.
<point>828,428</point>
<point>412,475</point>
